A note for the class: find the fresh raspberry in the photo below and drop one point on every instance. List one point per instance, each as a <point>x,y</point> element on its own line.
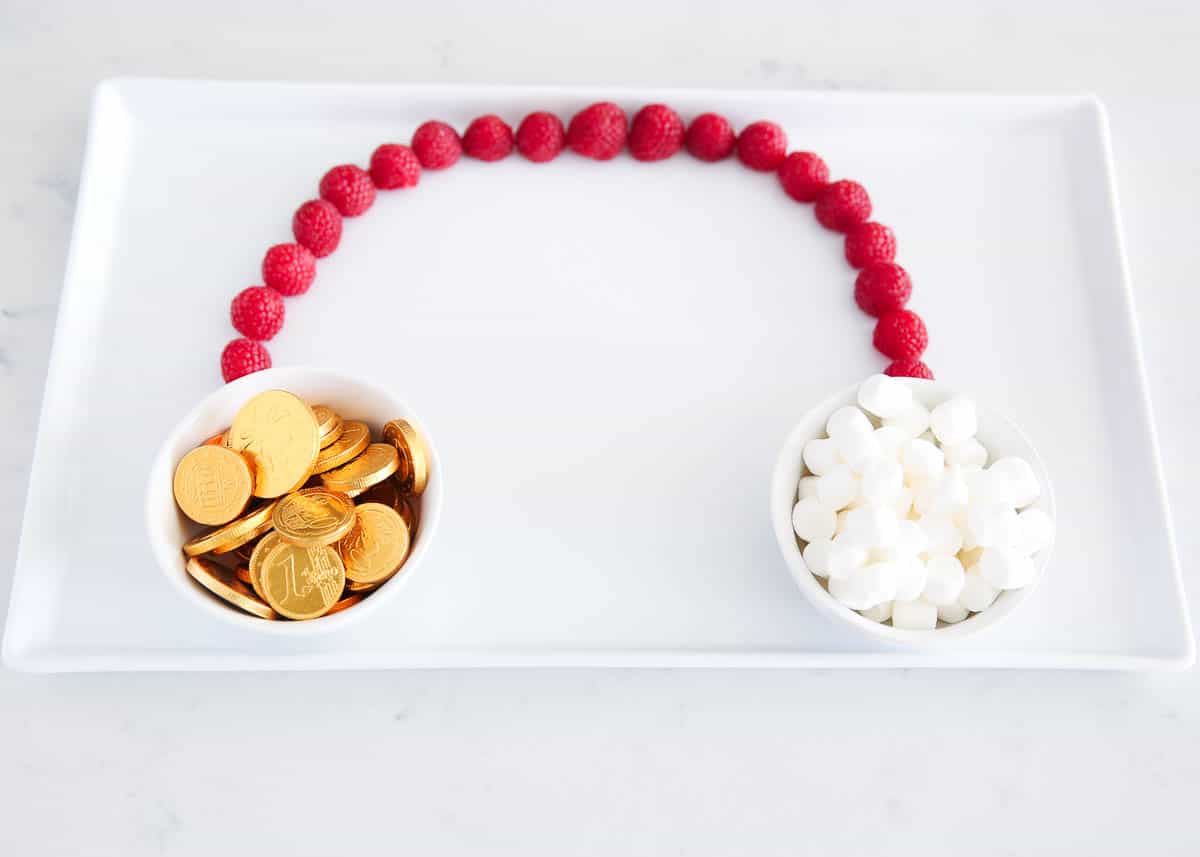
<point>540,137</point>
<point>436,145</point>
<point>318,226</point>
<point>257,312</point>
<point>656,133</point>
<point>487,138</point>
<point>710,138</point>
<point>842,205</point>
<point>762,146</point>
<point>349,188</point>
<point>869,243</point>
<point>881,288</point>
<point>394,166</point>
<point>901,335</point>
<point>908,369</point>
<point>803,176</point>
<point>289,269</point>
<point>598,131</point>
<point>243,356</point>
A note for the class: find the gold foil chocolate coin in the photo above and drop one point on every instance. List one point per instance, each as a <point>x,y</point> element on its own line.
<point>354,439</point>
<point>302,583</point>
<point>414,455</point>
<point>344,602</point>
<point>376,463</point>
<point>213,485</point>
<point>222,583</point>
<point>234,534</point>
<point>265,545</point>
<point>377,545</point>
<point>329,424</point>
<point>313,517</point>
<point>278,433</point>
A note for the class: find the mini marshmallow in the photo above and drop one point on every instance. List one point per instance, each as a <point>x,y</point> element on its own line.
<point>816,557</point>
<point>952,614</point>
<point>820,456</point>
<point>922,460</point>
<point>879,582</point>
<point>949,494</point>
<point>885,396</point>
<point>879,613</point>
<point>881,481</point>
<point>813,520</point>
<point>871,526</point>
<point>911,540</point>
<point>850,590</point>
<point>943,581</point>
<point>945,539</point>
<point>977,594</point>
<point>992,526</point>
<point>837,488</point>
<point>911,578</point>
<point>983,487</point>
<point>1019,486</point>
<point>848,420</point>
<point>968,455</point>
<point>891,439</point>
<point>1035,531</point>
<point>857,449</point>
<point>807,487</point>
<point>1006,569</point>
<point>914,615</point>
<point>904,502</point>
<point>913,421</point>
<point>845,557</point>
<point>954,421</point>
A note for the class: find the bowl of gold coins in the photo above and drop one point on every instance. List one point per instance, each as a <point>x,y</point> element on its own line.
<point>293,500</point>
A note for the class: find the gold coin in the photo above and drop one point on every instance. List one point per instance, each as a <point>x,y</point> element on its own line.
<point>329,424</point>
<point>215,440</point>
<point>363,588</point>
<point>278,432</point>
<point>234,534</point>
<point>354,439</point>
<point>242,573</point>
<point>377,545</point>
<point>346,601</point>
<point>414,455</point>
<point>244,552</point>
<point>410,511</point>
<point>376,463</point>
<point>222,583</point>
<point>314,516</point>
<point>213,485</point>
<point>265,545</point>
<point>302,583</point>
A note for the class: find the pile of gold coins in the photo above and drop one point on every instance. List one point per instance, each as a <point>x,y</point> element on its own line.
<point>310,516</point>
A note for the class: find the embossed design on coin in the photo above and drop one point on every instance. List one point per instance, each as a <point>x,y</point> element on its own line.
<point>265,545</point>
<point>212,485</point>
<point>353,440</point>
<point>234,534</point>
<point>414,455</point>
<point>376,547</point>
<point>279,434</point>
<point>302,583</point>
<point>329,424</point>
<point>376,463</point>
<point>314,516</point>
<point>222,583</point>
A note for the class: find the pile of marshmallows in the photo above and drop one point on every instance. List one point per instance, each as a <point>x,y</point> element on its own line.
<point>904,519</point>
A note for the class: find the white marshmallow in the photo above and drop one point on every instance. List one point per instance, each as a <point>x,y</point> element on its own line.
<point>816,557</point>
<point>911,578</point>
<point>891,439</point>
<point>841,522</point>
<point>945,539</point>
<point>807,487</point>
<point>954,421</point>
<point>914,615</point>
<point>913,421</point>
<point>850,591</point>
<point>904,502</point>
<point>837,488</point>
<point>968,455</point>
<point>922,460</point>
<point>983,487</point>
<point>885,396</point>
<point>943,581</point>
<point>848,420</point>
<point>856,449</point>
<point>922,493</point>
<point>813,520</point>
<point>1018,485</point>
<point>911,540</point>
<point>820,456</point>
<point>881,481</point>
<point>879,613</point>
<point>879,582</point>
<point>871,526</point>
<point>952,614</point>
<point>1035,531</point>
<point>1005,569</point>
<point>977,594</point>
<point>949,494</point>
<point>845,557</point>
<point>992,526</point>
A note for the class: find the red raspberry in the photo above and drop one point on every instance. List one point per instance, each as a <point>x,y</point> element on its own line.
<point>598,131</point>
<point>842,205</point>
<point>436,145</point>
<point>540,137</point>
<point>762,146</point>
<point>488,138</point>
<point>881,288</point>
<point>257,312</point>
<point>394,166</point>
<point>803,176</point>
<point>656,133</point>
<point>901,335</point>
<point>349,188</point>
<point>318,226</point>
<point>243,356</point>
<point>289,269</point>
<point>908,369</point>
<point>869,243</point>
<point>710,138</point>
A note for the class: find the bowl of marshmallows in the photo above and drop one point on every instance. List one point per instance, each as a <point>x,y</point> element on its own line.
<point>910,513</point>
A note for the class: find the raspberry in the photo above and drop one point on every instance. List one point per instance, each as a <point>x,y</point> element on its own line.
<point>842,205</point>
<point>540,137</point>
<point>289,269</point>
<point>488,138</point>
<point>436,145</point>
<point>803,176</point>
<point>901,335</point>
<point>349,188</point>
<point>394,166</point>
<point>908,369</point>
<point>710,138</point>
<point>762,146</point>
<point>257,312</point>
<point>243,356</point>
<point>869,243</point>
<point>656,133</point>
<point>598,131</point>
<point>881,288</point>
<point>318,226</point>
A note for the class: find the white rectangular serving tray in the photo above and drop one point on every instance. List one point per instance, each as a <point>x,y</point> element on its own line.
<point>608,355</point>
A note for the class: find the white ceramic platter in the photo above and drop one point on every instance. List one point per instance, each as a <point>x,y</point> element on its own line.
<point>609,356</point>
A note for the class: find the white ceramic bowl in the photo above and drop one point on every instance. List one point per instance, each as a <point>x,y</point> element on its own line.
<point>999,435</point>
<point>351,397</point>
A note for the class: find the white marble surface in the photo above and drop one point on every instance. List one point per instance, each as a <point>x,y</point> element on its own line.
<point>576,762</point>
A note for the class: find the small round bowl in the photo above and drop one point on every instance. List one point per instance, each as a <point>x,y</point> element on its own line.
<point>351,397</point>
<point>999,435</point>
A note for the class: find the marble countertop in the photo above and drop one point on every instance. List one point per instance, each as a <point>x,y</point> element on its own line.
<point>603,762</point>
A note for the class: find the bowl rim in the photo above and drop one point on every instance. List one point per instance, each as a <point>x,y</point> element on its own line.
<point>783,497</point>
<point>170,557</point>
